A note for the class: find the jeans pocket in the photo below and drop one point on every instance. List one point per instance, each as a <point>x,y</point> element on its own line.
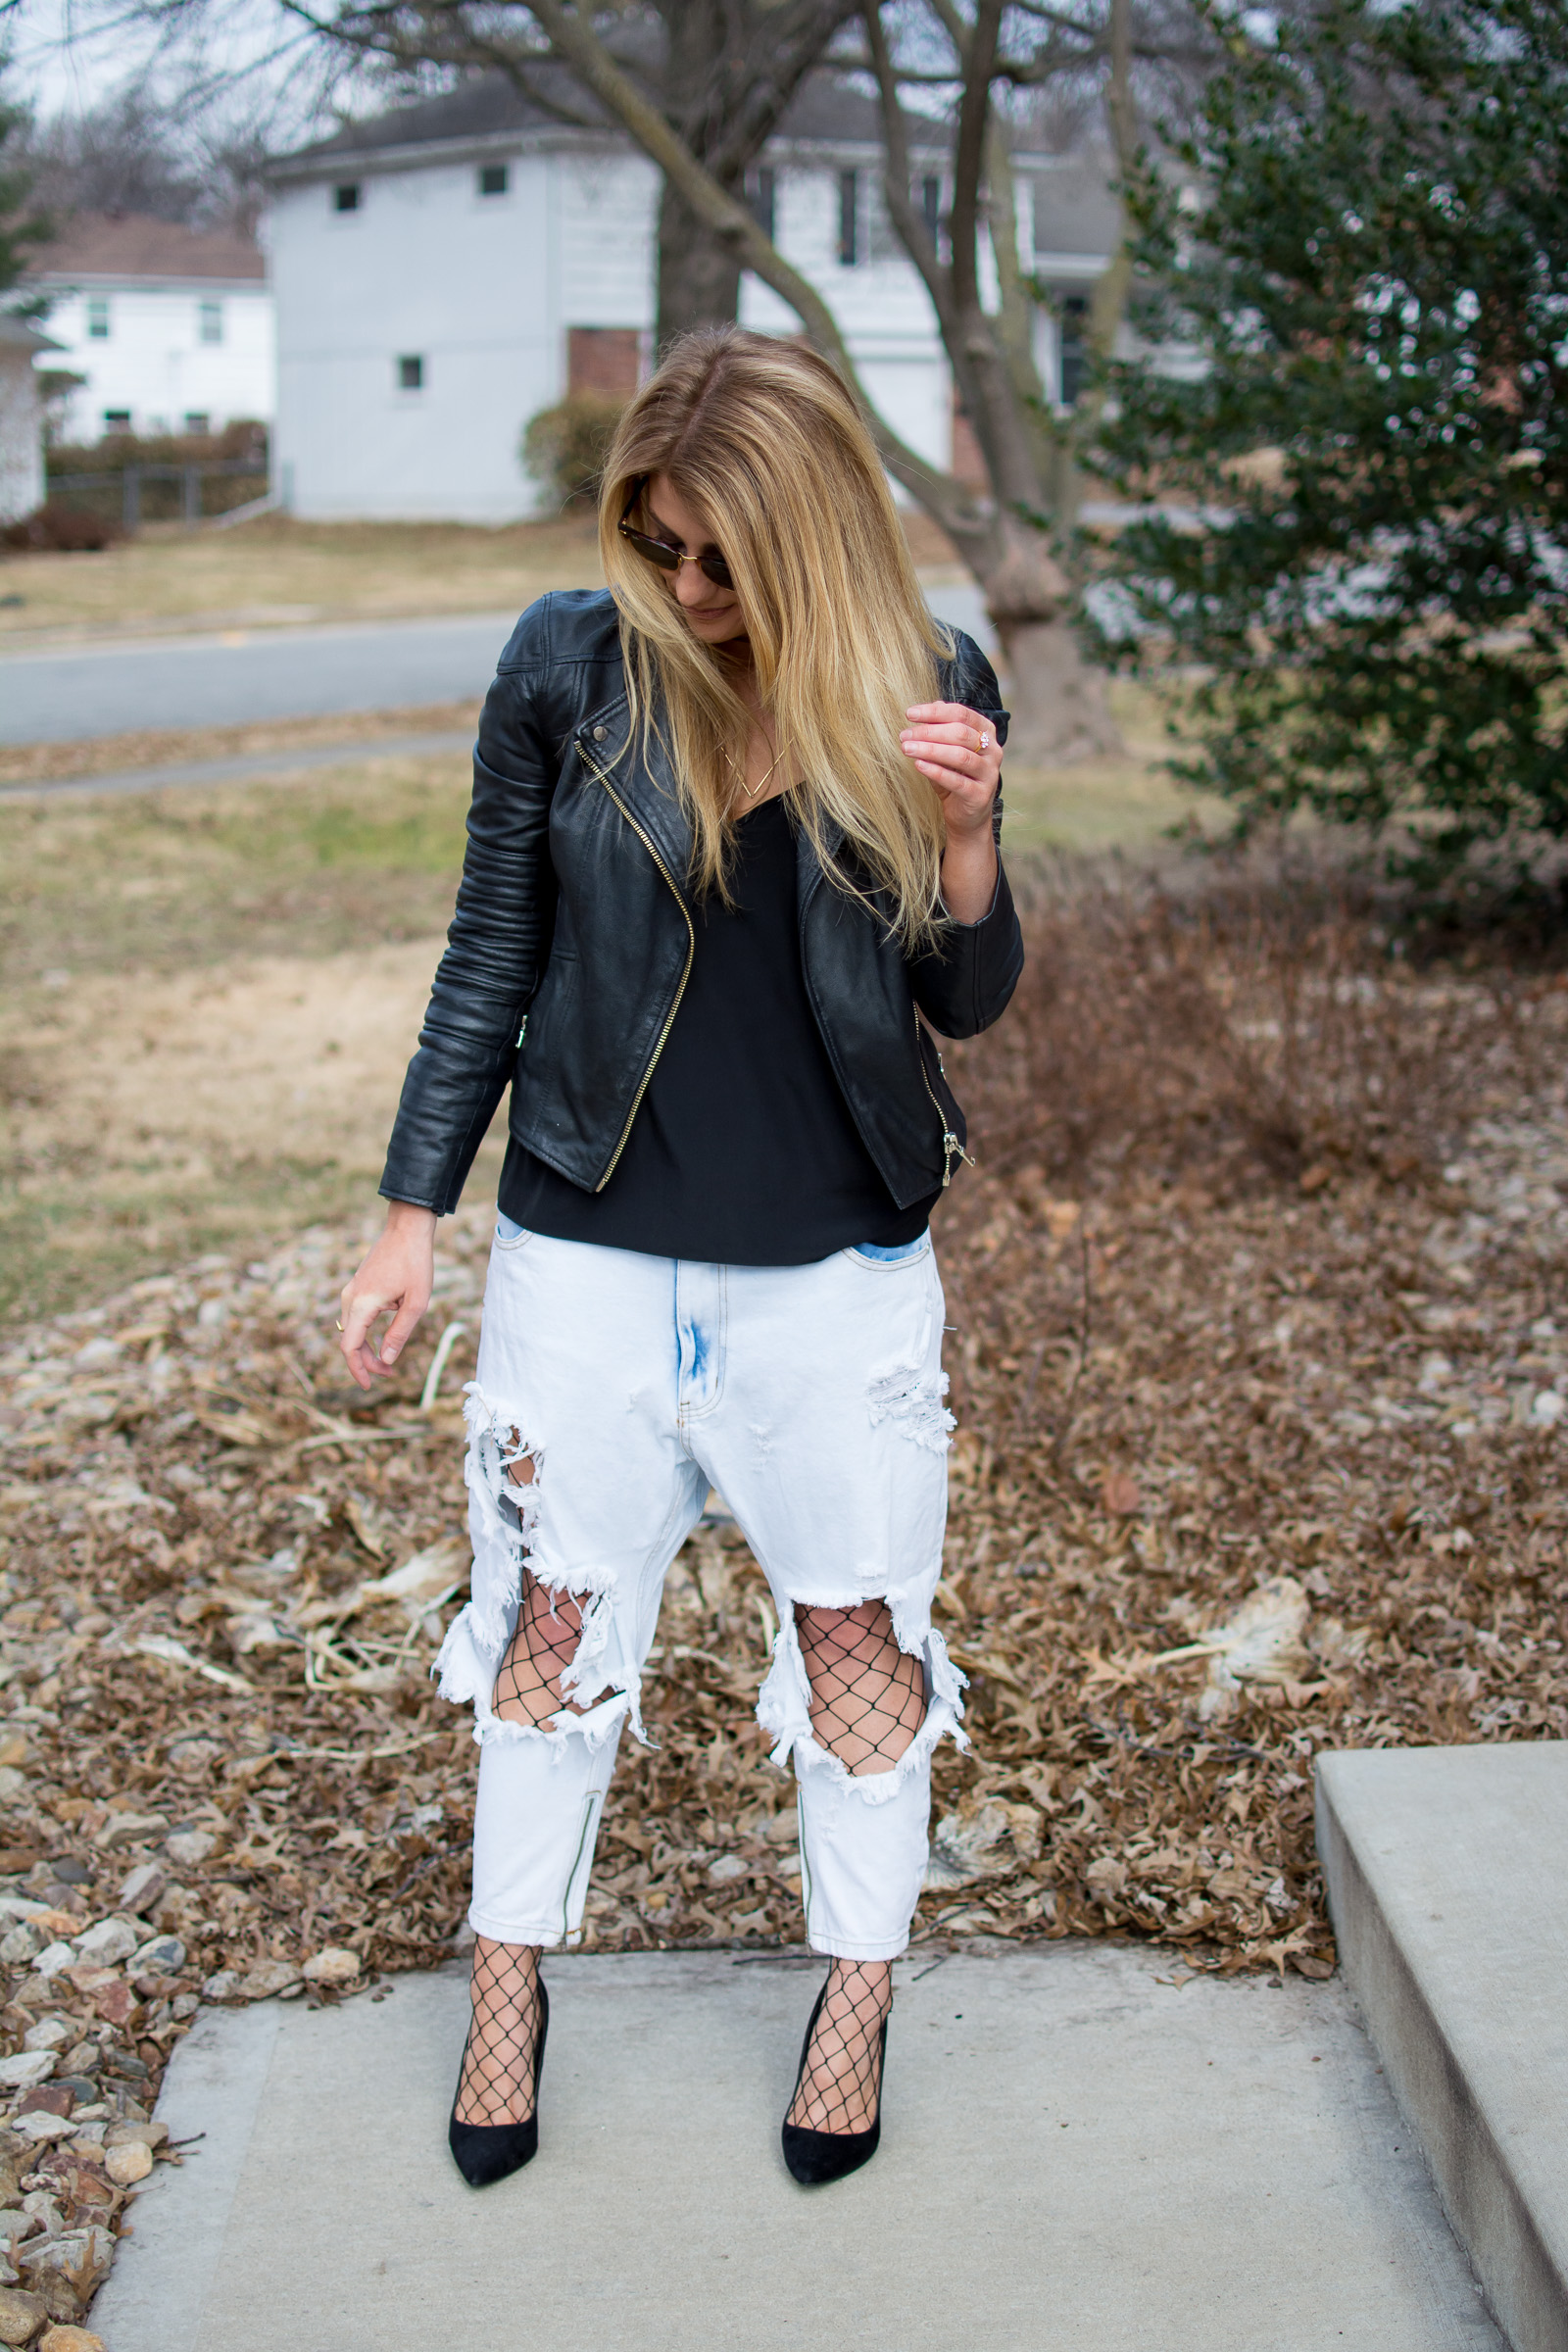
<point>901,1253</point>
<point>510,1235</point>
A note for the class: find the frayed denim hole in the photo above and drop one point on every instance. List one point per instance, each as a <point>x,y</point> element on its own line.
<point>867,1706</point>
<point>911,1401</point>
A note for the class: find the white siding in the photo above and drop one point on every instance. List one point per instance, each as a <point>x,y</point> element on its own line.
<point>153,363</point>
<point>883,311</point>
<point>484,289</point>
<point>479,288</point>
<point>608,230</point>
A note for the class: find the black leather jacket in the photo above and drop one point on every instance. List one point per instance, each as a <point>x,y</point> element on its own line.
<point>574,935</point>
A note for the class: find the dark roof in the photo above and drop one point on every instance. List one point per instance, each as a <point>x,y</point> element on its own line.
<point>490,106</point>
<point>483,107</point>
<point>1075,209</point>
<point>132,245</point>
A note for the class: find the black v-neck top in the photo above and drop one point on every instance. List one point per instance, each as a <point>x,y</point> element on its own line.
<point>743,1150</point>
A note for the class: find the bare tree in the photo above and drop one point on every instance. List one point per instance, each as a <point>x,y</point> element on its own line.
<point>719,73</point>
<point>141,150</point>
<point>701,85</point>
<point>1060,706</point>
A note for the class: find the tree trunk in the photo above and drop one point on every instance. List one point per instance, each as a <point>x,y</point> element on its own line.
<point>1060,712</point>
<point>699,274</point>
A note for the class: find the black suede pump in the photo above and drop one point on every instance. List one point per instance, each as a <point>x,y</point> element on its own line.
<point>485,2153</point>
<point>817,2157</point>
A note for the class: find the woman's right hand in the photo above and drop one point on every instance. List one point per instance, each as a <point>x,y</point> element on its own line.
<point>398,1275</point>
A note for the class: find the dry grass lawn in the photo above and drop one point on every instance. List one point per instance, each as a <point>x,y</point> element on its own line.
<point>275,571</point>
<point>206,998</point>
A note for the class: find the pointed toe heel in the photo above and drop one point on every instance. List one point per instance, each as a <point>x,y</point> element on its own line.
<point>485,2153</point>
<point>814,2158</point>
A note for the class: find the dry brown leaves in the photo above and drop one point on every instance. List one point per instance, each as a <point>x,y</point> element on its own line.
<point>1258,1382</point>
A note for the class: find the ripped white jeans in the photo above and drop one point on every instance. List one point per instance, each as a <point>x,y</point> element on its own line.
<point>812,1398</point>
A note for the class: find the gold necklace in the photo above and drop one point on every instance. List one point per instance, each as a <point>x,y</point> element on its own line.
<point>739,773</point>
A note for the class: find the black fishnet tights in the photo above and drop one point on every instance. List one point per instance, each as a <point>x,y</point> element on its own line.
<point>842,2082</point>
<point>497,2086</point>
<point>548,1630</point>
<point>867,1694</point>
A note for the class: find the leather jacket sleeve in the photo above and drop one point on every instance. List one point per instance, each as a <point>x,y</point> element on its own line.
<point>499,939</point>
<point>964,981</point>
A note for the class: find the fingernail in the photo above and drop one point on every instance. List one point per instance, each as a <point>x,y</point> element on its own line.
<point>389,1355</point>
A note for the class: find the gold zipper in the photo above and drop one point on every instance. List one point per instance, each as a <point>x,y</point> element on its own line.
<point>951,1145</point>
<point>691,949</point>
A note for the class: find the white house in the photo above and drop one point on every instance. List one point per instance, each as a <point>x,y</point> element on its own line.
<point>21,418</point>
<point>171,328</point>
<point>447,270</point>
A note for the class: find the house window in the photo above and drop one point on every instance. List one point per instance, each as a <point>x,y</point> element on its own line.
<point>209,322</point>
<point>493,180</point>
<point>760,197</point>
<point>849,218</point>
<point>603,358</point>
<point>346,197</point>
<point>115,421</point>
<point>410,373</point>
<point>98,317</point>
<point>931,205</point>
<point>1073,314</point>
<point>197,421</point>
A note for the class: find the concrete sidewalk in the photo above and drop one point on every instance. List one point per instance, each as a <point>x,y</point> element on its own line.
<point>1078,2153</point>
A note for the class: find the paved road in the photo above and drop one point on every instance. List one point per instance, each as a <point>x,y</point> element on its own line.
<point>239,677</point>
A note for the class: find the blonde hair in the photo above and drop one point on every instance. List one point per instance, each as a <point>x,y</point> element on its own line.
<point>764,440</point>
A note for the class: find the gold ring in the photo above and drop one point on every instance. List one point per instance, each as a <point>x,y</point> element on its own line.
<point>340,1327</point>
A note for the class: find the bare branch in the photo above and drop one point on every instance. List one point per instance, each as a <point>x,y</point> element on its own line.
<point>1107,304</point>
<point>969,160</point>
<point>1016,325</point>
<point>575,41</point>
<point>898,175</point>
<point>954,26</point>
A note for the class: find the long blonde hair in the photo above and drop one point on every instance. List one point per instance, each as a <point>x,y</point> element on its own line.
<point>764,440</point>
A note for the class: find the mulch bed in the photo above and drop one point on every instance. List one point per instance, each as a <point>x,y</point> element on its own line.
<point>1258,1383</point>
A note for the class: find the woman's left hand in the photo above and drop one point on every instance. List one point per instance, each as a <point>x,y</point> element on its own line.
<point>957,750</point>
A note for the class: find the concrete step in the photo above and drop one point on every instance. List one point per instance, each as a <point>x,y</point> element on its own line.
<point>1447,1876</point>
<point>1084,2150</point>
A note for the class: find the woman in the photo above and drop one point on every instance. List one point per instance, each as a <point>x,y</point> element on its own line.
<point>734,831</point>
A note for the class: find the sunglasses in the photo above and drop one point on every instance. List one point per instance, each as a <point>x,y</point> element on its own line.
<point>670,558</point>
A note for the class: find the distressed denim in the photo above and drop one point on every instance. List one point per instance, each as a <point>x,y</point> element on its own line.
<point>812,1398</point>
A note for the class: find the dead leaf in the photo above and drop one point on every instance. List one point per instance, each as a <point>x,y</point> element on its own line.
<point>1120,1495</point>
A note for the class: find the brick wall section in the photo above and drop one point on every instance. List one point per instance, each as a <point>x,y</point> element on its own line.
<point>603,358</point>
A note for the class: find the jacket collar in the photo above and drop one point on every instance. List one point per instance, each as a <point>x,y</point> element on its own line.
<point>647,790</point>
<point>645,787</point>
